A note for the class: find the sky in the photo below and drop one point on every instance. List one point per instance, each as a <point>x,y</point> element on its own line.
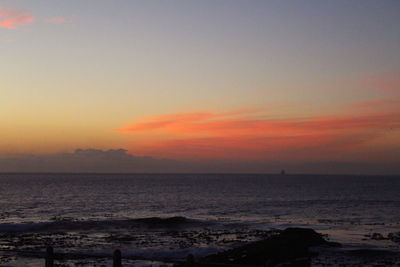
<point>249,86</point>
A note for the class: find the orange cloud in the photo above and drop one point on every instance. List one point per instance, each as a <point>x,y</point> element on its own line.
<point>11,18</point>
<point>233,135</point>
<point>242,148</point>
<point>211,124</point>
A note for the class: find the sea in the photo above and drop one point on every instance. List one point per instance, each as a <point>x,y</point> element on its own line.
<point>161,218</point>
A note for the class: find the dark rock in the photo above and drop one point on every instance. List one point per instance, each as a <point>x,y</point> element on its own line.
<point>395,237</point>
<point>290,247</point>
<point>377,236</point>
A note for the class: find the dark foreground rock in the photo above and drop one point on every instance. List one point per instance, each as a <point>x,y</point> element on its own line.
<point>288,248</point>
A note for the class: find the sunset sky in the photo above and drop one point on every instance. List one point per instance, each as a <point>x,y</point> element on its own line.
<point>199,81</point>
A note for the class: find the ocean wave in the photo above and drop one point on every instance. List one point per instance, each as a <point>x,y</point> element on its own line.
<point>62,224</point>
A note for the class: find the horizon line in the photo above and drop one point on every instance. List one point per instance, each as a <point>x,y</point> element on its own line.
<point>200,173</point>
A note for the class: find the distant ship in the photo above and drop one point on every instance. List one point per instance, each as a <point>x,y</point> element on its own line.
<point>283,172</point>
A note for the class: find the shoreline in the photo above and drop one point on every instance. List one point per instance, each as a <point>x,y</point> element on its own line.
<point>165,240</point>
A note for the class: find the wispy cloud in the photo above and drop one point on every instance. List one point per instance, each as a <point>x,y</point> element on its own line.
<point>11,18</point>
<point>213,124</point>
<point>227,135</point>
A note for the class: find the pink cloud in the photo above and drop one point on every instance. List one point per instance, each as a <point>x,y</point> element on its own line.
<point>11,18</point>
<point>215,124</point>
<point>236,135</point>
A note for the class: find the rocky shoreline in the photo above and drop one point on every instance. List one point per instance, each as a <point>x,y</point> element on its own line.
<point>290,247</point>
<point>168,242</point>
